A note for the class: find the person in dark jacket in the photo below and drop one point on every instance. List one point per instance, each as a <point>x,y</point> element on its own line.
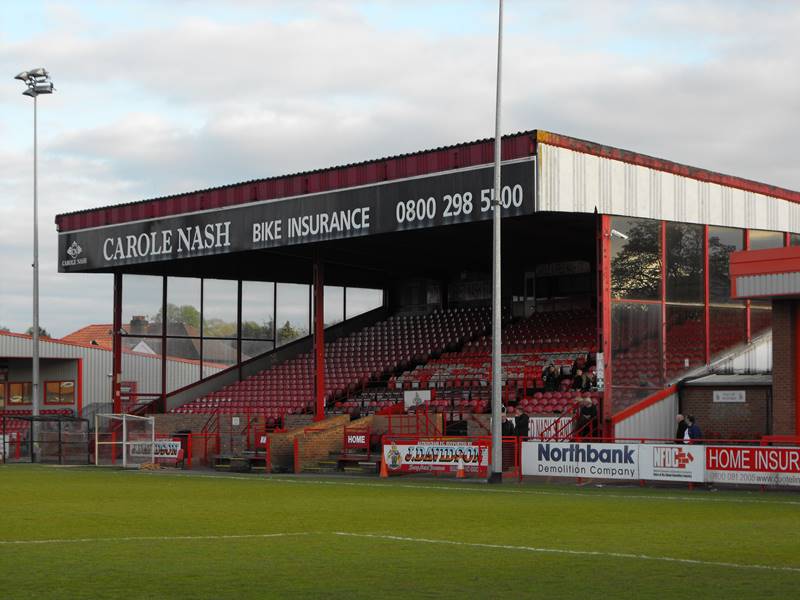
<point>507,427</point>
<point>550,376</point>
<point>693,431</point>
<point>681,428</point>
<point>586,425</point>
<point>580,381</point>
<point>521,423</point>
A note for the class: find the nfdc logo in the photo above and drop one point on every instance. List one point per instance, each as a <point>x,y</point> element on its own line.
<point>670,457</point>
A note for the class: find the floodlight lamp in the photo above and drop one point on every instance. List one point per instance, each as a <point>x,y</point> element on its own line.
<point>40,72</point>
<point>22,76</point>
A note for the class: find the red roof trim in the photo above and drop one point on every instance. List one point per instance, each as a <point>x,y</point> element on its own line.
<point>765,262</point>
<point>467,154</point>
<point>463,155</point>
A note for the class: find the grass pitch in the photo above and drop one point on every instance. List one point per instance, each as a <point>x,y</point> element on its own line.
<point>89,533</point>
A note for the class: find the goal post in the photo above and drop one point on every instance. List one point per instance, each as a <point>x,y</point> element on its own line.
<point>124,440</point>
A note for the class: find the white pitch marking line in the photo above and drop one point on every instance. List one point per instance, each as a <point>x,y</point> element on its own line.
<point>156,538</point>
<point>691,561</point>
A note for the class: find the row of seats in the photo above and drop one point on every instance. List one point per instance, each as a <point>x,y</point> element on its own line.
<point>351,363</point>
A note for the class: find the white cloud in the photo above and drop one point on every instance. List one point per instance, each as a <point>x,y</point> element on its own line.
<point>171,105</point>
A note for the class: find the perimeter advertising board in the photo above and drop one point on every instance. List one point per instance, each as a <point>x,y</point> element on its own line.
<point>672,462</point>
<point>759,465</point>
<point>446,198</point>
<point>593,461</point>
<point>442,455</point>
<point>160,449</point>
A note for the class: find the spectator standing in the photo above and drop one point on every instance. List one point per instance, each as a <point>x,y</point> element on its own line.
<point>587,418</point>
<point>522,424</point>
<point>693,432</point>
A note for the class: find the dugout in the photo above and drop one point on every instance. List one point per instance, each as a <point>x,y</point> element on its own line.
<point>641,243</point>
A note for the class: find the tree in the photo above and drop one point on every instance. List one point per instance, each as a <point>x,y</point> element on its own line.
<point>186,314</point>
<point>287,333</point>
<point>252,329</point>
<point>42,331</point>
<point>4,328</point>
<point>636,268</point>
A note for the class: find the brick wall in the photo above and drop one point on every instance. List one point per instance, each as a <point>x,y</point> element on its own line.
<point>783,372</point>
<point>282,444</point>
<point>745,420</point>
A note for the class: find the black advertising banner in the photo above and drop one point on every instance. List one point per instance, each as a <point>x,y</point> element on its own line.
<point>462,196</point>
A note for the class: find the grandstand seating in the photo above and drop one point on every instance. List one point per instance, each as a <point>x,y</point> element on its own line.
<point>461,380</point>
<point>369,355</point>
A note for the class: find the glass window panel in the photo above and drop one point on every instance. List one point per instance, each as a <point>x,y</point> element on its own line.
<point>794,239</point>
<point>721,242</point>
<point>141,304</point>
<point>635,352</point>
<point>145,371</point>
<point>2,394</point>
<point>293,312</point>
<point>684,254</point>
<point>686,346</point>
<point>67,392</point>
<point>218,355</point>
<point>258,298</point>
<point>760,316</point>
<point>219,308</point>
<point>361,300</point>
<point>727,325</point>
<point>52,392</point>
<point>761,240</point>
<point>635,258</point>
<point>252,348</point>
<point>183,306</point>
<point>334,305</point>
<point>183,362</point>
<point>19,393</point>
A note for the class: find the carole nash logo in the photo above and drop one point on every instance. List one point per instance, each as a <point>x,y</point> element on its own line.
<point>670,457</point>
<point>74,250</point>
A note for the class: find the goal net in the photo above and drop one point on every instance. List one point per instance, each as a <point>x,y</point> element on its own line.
<point>123,440</point>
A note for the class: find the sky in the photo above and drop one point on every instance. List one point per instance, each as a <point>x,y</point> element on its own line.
<point>156,98</point>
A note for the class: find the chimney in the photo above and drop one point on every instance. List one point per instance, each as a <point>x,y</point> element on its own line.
<point>138,325</point>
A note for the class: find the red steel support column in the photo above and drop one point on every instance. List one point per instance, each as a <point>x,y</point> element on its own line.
<point>319,340</point>
<point>605,244</point>
<point>747,331</point>
<point>116,361</point>
<point>663,303</point>
<point>164,349</point>
<point>796,351</point>
<point>706,296</point>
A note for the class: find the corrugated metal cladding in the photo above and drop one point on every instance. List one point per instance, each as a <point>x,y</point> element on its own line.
<point>754,358</point>
<point>775,284</point>
<point>97,364</point>
<point>656,422</point>
<point>422,163</point>
<point>571,181</point>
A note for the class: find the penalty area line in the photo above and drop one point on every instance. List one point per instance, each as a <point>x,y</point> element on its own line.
<point>538,550</point>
